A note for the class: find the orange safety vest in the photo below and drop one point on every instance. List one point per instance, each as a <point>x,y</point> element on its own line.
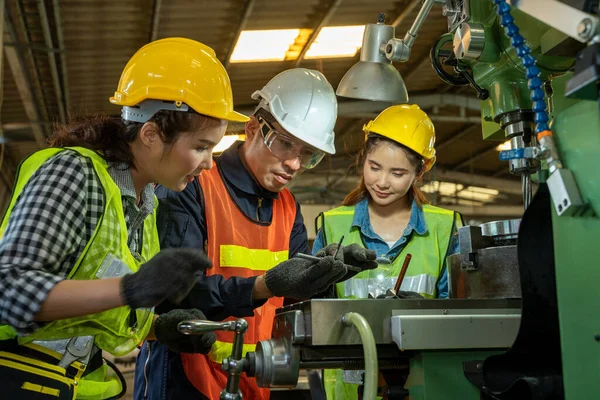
<point>239,246</point>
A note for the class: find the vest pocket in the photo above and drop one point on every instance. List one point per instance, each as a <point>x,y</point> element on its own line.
<point>26,378</point>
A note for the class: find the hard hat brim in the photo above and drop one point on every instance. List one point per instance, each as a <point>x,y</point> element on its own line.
<point>235,116</point>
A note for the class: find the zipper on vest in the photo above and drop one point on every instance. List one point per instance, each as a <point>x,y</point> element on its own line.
<point>146,369</point>
<point>260,200</point>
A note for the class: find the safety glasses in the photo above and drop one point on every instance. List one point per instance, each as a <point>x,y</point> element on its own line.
<point>285,147</point>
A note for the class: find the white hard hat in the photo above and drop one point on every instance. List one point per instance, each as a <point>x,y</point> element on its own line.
<point>304,104</point>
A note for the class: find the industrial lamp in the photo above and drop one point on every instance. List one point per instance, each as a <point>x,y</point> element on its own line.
<point>374,77</point>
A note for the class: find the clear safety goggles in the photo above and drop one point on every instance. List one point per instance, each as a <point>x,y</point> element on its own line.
<point>286,148</point>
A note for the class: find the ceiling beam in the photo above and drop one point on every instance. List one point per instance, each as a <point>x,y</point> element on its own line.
<point>23,83</point>
<point>476,157</point>
<point>508,186</point>
<point>21,29</point>
<point>486,210</point>
<point>155,20</point>
<point>502,171</point>
<point>410,7</point>
<point>417,69</point>
<point>63,58</point>
<point>243,21</point>
<point>52,60</point>
<point>322,23</point>
<point>454,138</point>
<point>503,185</point>
<point>370,109</point>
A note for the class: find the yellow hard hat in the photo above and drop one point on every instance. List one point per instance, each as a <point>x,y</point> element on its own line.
<point>178,70</point>
<point>409,126</point>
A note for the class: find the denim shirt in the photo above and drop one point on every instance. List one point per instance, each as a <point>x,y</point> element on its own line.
<point>372,241</point>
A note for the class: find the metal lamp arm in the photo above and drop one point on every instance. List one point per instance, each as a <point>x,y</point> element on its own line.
<point>399,49</point>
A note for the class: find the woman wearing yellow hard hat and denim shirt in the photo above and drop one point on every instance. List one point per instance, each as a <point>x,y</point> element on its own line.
<point>79,250</point>
<point>388,214</point>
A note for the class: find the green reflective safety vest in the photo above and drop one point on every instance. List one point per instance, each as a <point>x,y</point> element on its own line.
<point>428,251</point>
<point>119,330</point>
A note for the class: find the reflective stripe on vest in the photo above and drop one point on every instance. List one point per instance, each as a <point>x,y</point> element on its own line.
<point>428,253</point>
<point>111,329</point>
<point>239,246</point>
<point>232,256</point>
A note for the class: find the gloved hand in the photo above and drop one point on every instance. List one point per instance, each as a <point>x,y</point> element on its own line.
<point>354,255</point>
<point>169,275</point>
<point>301,279</point>
<point>165,330</point>
<point>403,294</point>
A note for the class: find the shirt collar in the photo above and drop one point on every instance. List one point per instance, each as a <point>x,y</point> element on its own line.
<point>236,173</point>
<point>121,174</point>
<point>362,220</point>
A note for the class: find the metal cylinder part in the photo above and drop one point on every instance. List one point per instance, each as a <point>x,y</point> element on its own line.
<point>501,230</point>
<point>277,364</point>
<point>469,40</point>
<point>519,129</point>
<point>526,189</point>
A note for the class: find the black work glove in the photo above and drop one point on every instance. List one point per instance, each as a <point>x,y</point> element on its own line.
<point>166,332</point>
<point>301,279</point>
<point>169,275</point>
<point>403,294</point>
<point>354,255</point>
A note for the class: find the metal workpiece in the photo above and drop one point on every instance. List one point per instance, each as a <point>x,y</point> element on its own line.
<point>469,41</point>
<point>486,266</point>
<point>565,194</point>
<point>501,230</point>
<point>471,239</point>
<point>496,275</point>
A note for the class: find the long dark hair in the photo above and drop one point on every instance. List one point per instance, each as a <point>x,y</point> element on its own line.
<point>373,142</point>
<point>111,136</point>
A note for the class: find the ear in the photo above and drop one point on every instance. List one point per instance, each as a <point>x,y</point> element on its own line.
<point>149,134</point>
<point>252,127</point>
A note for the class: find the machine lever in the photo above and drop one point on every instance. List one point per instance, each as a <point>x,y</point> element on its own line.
<point>234,365</point>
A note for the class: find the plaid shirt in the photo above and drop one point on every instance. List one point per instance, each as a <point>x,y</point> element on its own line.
<point>52,221</point>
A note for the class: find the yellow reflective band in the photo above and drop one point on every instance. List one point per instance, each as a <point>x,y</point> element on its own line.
<point>254,259</point>
<point>222,350</point>
<point>331,213</point>
<point>437,211</point>
<point>40,389</point>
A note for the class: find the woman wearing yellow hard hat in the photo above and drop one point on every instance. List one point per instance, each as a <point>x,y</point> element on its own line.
<point>80,267</point>
<point>388,215</point>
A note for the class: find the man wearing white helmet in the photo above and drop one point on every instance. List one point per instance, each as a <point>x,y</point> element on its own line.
<point>250,225</point>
